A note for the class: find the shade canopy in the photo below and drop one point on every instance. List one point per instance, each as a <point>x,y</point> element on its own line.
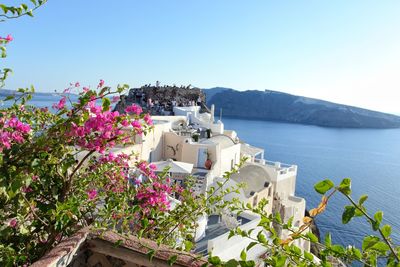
<point>174,166</point>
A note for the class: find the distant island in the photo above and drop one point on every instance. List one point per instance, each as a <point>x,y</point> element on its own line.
<point>252,104</point>
<point>277,106</point>
<point>7,92</point>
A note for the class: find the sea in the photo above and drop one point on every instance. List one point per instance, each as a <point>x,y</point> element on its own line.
<point>370,157</point>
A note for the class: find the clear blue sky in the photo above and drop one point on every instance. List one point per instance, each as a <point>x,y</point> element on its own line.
<point>342,51</point>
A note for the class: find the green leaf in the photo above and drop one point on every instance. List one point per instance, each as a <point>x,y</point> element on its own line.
<point>231,234</point>
<point>378,219</point>
<point>118,243</point>
<point>35,163</point>
<point>106,104</point>
<point>386,230</point>
<point>348,214</point>
<point>323,186</point>
<point>328,240</point>
<point>247,263</point>
<point>4,8</point>
<point>359,213</point>
<point>103,90</point>
<point>231,263</point>
<point>290,222</point>
<point>280,261</point>
<point>261,237</point>
<point>150,254</point>
<point>278,218</point>
<point>345,186</point>
<point>356,253</point>
<point>243,255</point>
<point>9,98</point>
<point>172,260</point>
<point>338,249</point>
<point>380,246</point>
<point>362,199</point>
<point>295,250</point>
<point>308,256</point>
<point>188,245</point>
<point>312,237</point>
<point>369,241</point>
<point>145,222</point>
<point>252,244</point>
<point>214,260</point>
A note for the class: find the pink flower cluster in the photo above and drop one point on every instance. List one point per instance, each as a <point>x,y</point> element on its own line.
<point>12,131</point>
<point>117,176</point>
<point>61,104</point>
<point>148,120</point>
<point>9,38</point>
<point>154,194</point>
<point>99,131</point>
<point>120,160</point>
<point>92,194</point>
<point>147,169</point>
<point>134,109</point>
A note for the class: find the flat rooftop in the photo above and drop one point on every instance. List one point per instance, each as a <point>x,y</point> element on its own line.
<point>214,229</point>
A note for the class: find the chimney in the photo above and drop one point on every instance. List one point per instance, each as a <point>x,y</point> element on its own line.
<point>212,113</point>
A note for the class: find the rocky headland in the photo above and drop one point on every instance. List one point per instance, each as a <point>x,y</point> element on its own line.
<point>160,100</point>
<point>277,106</point>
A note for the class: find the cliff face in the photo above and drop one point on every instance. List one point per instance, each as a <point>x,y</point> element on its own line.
<point>159,100</point>
<point>277,106</point>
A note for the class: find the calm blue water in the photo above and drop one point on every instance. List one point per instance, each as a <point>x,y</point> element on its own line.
<point>371,158</point>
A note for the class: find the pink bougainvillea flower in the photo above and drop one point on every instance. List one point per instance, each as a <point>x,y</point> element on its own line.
<point>61,104</point>
<point>92,193</point>
<point>25,189</point>
<point>77,84</point>
<point>101,84</point>
<point>136,124</point>
<point>115,99</point>
<point>12,131</point>
<point>148,120</point>
<point>13,223</point>
<point>152,166</point>
<point>85,89</point>
<point>135,109</point>
<point>9,38</point>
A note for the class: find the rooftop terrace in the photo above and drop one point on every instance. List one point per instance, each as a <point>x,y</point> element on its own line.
<point>215,228</point>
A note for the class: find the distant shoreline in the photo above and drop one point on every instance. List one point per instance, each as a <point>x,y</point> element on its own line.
<point>303,124</point>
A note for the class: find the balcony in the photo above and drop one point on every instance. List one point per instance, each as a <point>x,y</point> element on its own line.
<point>281,168</point>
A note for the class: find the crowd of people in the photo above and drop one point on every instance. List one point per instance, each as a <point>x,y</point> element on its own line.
<point>160,107</point>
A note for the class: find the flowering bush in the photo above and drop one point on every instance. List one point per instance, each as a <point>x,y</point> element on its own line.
<point>57,173</point>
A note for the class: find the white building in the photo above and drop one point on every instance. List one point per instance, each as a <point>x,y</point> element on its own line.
<point>182,138</point>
